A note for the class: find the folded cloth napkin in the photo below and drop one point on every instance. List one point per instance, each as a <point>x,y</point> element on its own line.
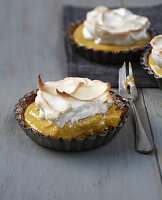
<point>80,67</point>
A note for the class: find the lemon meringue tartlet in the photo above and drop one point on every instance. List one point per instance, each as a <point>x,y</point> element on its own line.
<point>116,31</point>
<point>71,108</point>
<point>152,59</point>
<point>155,57</point>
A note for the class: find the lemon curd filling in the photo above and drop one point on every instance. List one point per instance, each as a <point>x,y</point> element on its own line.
<point>129,81</point>
<point>156,69</point>
<point>79,129</point>
<point>79,39</point>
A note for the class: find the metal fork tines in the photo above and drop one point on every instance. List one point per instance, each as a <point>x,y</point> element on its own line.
<point>128,90</point>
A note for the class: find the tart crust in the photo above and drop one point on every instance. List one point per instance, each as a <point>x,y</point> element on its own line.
<point>107,57</point>
<point>73,144</point>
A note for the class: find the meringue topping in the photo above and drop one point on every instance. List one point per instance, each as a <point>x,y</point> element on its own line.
<point>118,26</point>
<point>72,99</point>
<point>156,44</point>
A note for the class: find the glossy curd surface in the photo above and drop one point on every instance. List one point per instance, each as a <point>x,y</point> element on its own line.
<point>156,69</point>
<point>83,127</point>
<point>79,39</point>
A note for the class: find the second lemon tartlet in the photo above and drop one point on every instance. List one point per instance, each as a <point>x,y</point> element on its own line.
<point>152,59</point>
<point>110,36</point>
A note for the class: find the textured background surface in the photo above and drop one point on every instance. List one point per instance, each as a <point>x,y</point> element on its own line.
<point>31,43</point>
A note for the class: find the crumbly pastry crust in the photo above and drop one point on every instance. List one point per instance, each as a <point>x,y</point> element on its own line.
<point>107,57</point>
<point>73,144</point>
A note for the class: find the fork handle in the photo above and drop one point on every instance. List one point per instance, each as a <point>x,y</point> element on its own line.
<point>143,143</point>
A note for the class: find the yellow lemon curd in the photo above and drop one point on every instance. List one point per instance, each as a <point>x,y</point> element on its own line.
<point>128,80</point>
<point>156,69</point>
<point>79,39</point>
<point>79,129</point>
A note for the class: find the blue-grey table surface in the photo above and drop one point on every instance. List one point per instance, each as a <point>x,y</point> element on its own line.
<point>31,43</point>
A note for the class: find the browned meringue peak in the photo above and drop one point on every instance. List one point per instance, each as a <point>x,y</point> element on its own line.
<point>118,26</point>
<point>79,88</point>
<point>156,44</point>
<point>72,98</point>
<point>125,25</point>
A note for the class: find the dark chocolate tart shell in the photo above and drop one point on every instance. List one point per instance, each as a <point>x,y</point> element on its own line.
<point>106,57</point>
<point>144,62</point>
<point>86,143</point>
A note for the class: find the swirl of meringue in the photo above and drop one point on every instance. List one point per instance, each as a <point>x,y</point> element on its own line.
<point>156,44</point>
<point>72,99</point>
<point>116,27</point>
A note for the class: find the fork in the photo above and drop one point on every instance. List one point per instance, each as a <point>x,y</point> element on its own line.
<point>142,141</point>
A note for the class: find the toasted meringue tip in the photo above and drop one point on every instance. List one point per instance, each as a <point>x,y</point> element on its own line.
<point>39,82</point>
<point>108,86</point>
<point>156,44</point>
<point>155,41</point>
